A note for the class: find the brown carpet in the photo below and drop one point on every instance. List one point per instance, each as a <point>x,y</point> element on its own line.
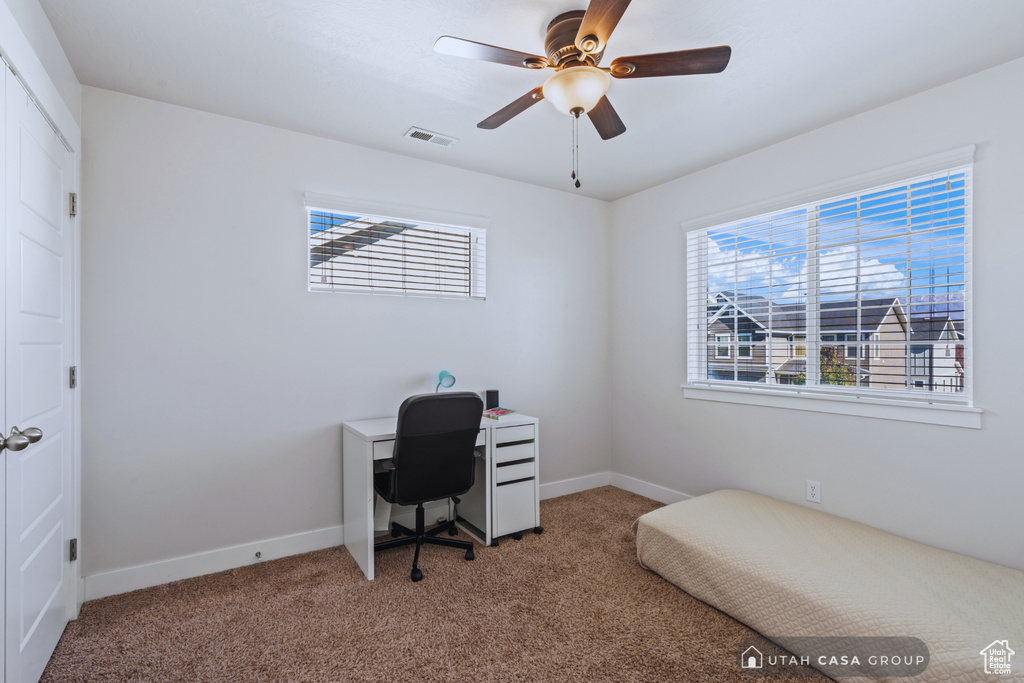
<point>571,604</point>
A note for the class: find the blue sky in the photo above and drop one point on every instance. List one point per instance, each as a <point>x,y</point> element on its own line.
<point>911,235</point>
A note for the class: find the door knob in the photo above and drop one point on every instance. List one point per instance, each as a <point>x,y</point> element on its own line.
<point>19,440</point>
<point>15,442</point>
<point>33,434</point>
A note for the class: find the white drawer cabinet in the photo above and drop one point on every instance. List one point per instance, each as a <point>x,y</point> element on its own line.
<point>515,498</point>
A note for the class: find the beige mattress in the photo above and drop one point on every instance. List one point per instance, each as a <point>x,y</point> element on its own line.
<point>785,570</point>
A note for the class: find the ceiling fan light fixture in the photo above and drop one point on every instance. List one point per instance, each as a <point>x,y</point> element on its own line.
<point>576,87</point>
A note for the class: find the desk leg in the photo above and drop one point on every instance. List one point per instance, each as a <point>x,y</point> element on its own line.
<point>475,508</point>
<point>489,492</point>
<point>357,470</point>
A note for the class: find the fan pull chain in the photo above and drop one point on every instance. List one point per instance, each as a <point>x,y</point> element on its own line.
<point>575,112</point>
<point>572,144</point>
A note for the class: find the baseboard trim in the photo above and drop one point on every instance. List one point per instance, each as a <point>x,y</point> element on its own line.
<point>575,485</point>
<point>154,574</point>
<point>647,489</point>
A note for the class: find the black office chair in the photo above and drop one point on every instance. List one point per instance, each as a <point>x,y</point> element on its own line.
<point>434,458</point>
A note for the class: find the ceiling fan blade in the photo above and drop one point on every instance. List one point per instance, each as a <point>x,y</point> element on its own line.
<point>518,107</point>
<point>606,120</point>
<point>708,60</point>
<point>598,23</point>
<point>447,45</point>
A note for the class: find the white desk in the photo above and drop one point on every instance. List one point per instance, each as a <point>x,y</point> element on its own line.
<point>505,497</point>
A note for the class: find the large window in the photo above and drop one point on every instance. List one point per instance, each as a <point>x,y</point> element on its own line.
<point>863,295</point>
<point>355,250</point>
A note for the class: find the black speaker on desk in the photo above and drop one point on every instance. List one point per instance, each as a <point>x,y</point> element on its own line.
<point>491,399</point>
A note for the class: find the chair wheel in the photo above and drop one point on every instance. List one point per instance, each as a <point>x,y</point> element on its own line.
<point>395,533</point>
<point>538,529</point>
<point>494,543</point>
<point>469,554</point>
<point>417,575</point>
<point>518,535</point>
<point>453,531</point>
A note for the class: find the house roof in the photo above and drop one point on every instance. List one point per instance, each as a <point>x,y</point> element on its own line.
<point>836,316</point>
<point>793,366</point>
<point>840,315</point>
<point>932,329</point>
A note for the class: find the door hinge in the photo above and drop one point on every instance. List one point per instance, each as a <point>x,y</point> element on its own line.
<point>73,203</point>
<point>73,376</point>
<point>74,549</point>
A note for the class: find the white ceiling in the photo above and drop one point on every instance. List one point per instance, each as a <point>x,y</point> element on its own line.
<point>364,72</point>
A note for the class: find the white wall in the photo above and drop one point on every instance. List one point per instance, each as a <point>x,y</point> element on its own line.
<point>954,488</point>
<point>214,384</point>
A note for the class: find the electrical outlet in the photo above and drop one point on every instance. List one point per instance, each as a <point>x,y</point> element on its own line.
<point>814,491</point>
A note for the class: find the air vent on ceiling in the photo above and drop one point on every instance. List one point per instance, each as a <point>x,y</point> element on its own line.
<point>428,136</point>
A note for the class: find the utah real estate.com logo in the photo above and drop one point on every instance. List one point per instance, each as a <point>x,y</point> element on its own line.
<point>997,657</point>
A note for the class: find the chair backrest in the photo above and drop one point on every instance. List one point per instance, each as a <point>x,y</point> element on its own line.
<point>434,446</point>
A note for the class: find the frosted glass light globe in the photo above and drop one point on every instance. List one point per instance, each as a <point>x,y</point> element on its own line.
<point>577,86</point>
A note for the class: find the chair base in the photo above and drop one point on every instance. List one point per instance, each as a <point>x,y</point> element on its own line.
<point>421,537</point>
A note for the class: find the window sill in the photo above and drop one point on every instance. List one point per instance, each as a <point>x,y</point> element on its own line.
<point>904,411</point>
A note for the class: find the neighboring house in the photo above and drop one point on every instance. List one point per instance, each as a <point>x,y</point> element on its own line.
<point>936,354</point>
<point>736,330</point>
<point>753,340</point>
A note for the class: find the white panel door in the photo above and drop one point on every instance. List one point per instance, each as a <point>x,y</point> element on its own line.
<point>39,246</point>
<point>3,367</point>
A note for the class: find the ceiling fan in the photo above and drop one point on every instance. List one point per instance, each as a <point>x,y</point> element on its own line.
<point>574,45</point>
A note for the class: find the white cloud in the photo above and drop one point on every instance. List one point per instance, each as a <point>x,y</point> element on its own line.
<point>787,275</point>
<point>839,274</point>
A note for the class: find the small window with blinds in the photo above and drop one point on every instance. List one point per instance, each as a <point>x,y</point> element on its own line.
<point>863,295</point>
<point>355,251</point>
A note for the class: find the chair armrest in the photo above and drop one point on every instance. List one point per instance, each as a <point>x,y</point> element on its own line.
<point>386,465</point>
<point>479,451</point>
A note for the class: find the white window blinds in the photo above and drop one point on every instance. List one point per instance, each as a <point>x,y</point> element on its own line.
<point>355,251</point>
<point>864,294</point>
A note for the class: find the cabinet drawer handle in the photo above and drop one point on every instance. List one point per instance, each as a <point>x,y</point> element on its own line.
<point>515,481</point>
<point>513,443</point>
<point>515,462</point>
